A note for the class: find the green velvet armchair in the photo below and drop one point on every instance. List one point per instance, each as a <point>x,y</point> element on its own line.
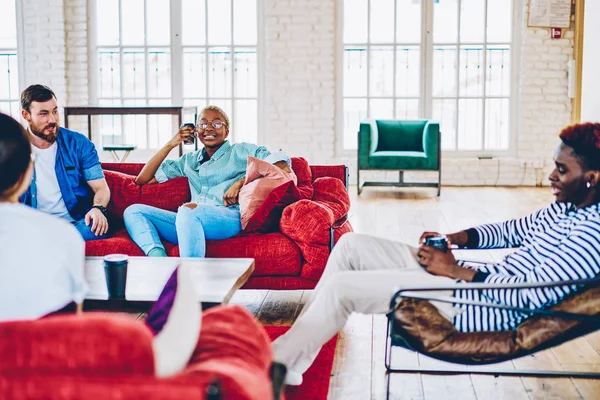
<point>399,146</point>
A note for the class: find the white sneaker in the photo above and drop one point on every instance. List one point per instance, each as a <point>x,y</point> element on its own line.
<point>293,378</point>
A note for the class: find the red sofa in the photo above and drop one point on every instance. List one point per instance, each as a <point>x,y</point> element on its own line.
<point>291,257</point>
<point>109,356</point>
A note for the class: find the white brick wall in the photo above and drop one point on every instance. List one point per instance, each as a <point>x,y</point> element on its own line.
<point>300,90</point>
<point>300,76</point>
<point>44,40</point>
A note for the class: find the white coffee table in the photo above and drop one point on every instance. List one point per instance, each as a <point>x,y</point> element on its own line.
<point>215,280</point>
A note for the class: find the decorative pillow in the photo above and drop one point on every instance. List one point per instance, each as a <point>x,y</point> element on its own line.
<point>169,195</point>
<point>125,193</point>
<point>262,178</point>
<point>175,320</point>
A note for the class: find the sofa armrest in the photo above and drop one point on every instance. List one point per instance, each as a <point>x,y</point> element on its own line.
<point>367,141</point>
<point>431,142</point>
<point>79,345</point>
<point>309,223</point>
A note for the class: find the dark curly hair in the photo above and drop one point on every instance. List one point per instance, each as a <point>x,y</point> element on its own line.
<point>585,140</point>
<point>15,153</point>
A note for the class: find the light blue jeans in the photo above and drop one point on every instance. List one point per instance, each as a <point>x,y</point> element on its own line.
<point>189,228</point>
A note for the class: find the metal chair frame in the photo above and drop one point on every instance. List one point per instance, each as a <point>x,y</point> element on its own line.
<point>413,292</point>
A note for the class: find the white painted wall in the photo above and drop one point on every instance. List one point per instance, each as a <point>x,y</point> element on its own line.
<point>300,53</point>
<point>590,101</point>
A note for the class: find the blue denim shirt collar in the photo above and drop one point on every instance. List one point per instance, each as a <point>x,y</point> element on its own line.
<point>225,147</point>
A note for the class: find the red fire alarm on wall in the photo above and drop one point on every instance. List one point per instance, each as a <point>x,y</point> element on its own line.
<point>556,33</point>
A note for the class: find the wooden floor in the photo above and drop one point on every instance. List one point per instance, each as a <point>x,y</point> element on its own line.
<point>358,371</point>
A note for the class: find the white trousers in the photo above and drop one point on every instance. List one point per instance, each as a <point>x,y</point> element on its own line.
<point>362,274</point>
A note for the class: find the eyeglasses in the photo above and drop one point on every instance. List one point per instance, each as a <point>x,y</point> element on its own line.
<point>214,124</point>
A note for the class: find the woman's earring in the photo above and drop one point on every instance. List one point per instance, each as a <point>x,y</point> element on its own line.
<point>588,185</point>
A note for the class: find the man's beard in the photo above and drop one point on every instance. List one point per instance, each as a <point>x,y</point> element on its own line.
<point>50,138</point>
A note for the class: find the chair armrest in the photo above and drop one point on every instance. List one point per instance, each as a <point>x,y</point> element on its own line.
<point>402,293</point>
<point>367,140</point>
<point>431,141</point>
<point>92,344</point>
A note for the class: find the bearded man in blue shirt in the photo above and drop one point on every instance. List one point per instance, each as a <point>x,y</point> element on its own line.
<point>215,174</point>
<point>68,181</point>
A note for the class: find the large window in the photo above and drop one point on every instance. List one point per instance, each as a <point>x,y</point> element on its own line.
<point>9,74</point>
<point>449,60</point>
<point>190,52</point>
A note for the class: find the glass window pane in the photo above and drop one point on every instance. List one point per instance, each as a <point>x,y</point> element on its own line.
<point>107,22</point>
<point>382,71</point>
<point>444,111</point>
<point>472,21</point>
<point>499,21</point>
<point>498,71</point>
<point>159,73</point>
<point>444,71</point>
<point>219,72</point>
<point>355,110</point>
<point>470,124</point>
<point>246,124</point>
<point>194,73</point>
<point>8,27</point>
<point>219,22</point>
<point>471,71</point>
<point>408,21</point>
<point>408,71</point>
<point>193,23</point>
<point>244,22</point>
<point>158,14</point>
<point>4,78</point>
<point>381,109</point>
<point>355,71</point>
<point>133,22</point>
<point>134,74</point>
<point>382,21</point>
<point>110,125</point>
<point>245,73</point>
<point>445,21</point>
<point>355,21</point>
<point>407,109</point>
<point>110,74</point>
<point>13,76</point>
<point>497,124</point>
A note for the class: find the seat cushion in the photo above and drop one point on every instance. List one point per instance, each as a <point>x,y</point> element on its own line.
<point>427,331</point>
<point>275,253</point>
<point>400,160</point>
<point>117,243</point>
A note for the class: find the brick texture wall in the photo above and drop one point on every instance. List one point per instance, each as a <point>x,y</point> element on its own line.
<point>300,56</point>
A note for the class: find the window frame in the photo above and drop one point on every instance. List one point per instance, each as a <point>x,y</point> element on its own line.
<point>20,56</point>
<point>426,76</point>
<point>176,49</point>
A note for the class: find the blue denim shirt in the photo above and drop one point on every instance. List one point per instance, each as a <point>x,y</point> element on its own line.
<point>210,179</point>
<point>76,163</point>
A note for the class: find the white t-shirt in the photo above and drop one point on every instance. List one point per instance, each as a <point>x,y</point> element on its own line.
<point>49,197</point>
<point>41,263</point>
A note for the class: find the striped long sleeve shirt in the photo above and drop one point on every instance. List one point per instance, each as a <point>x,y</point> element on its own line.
<point>556,243</point>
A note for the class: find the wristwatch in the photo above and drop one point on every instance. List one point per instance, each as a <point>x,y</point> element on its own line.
<point>102,209</point>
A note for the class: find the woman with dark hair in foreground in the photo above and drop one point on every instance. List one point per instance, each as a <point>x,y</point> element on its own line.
<point>41,257</point>
<point>557,243</point>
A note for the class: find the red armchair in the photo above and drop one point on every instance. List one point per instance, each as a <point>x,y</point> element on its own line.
<point>109,356</point>
<point>293,257</point>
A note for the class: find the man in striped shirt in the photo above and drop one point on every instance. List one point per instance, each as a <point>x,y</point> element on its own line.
<point>558,243</point>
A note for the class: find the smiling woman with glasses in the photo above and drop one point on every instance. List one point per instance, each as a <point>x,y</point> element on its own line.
<point>215,174</point>
<point>41,256</point>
